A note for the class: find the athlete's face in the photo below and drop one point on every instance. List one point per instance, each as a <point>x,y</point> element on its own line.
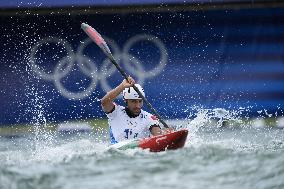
<point>135,105</point>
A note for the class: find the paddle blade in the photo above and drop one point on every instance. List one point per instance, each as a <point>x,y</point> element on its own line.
<point>96,37</point>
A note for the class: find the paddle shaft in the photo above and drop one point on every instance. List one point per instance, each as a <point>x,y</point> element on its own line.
<point>111,58</point>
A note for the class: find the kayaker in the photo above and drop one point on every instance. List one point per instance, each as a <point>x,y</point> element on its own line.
<point>129,122</point>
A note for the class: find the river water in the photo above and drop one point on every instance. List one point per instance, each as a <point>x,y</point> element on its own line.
<point>230,157</point>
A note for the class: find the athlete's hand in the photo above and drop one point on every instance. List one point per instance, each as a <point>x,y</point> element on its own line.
<point>129,83</point>
<point>168,130</point>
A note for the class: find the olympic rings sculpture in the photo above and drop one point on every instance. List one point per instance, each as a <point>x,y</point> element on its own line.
<point>88,67</point>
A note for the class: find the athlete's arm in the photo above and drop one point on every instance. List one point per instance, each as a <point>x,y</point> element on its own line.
<point>107,100</point>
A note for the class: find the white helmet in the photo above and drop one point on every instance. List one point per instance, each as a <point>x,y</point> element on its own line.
<point>130,93</point>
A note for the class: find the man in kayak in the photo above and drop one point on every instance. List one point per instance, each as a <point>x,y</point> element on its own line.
<point>128,122</point>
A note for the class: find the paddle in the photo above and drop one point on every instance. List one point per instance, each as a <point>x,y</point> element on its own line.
<point>97,38</point>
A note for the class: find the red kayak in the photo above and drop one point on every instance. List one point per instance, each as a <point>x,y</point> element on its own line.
<point>169,141</point>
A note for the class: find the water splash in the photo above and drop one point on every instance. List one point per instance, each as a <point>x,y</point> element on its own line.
<point>35,112</point>
<point>218,121</point>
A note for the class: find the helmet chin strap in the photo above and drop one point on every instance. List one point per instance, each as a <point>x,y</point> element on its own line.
<point>125,100</point>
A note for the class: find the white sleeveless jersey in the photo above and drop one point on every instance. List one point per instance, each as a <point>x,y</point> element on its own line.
<point>123,127</point>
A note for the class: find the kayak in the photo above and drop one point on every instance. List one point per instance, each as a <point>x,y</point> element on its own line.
<point>168,141</point>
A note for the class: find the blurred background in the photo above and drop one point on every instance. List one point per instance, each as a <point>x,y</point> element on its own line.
<point>222,57</point>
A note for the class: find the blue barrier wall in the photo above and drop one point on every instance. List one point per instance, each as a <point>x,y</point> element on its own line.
<point>75,3</point>
<point>228,59</point>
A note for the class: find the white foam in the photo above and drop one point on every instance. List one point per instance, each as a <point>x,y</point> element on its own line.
<point>258,123</point>
<point>74,127</point>
<point>280,122</point>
